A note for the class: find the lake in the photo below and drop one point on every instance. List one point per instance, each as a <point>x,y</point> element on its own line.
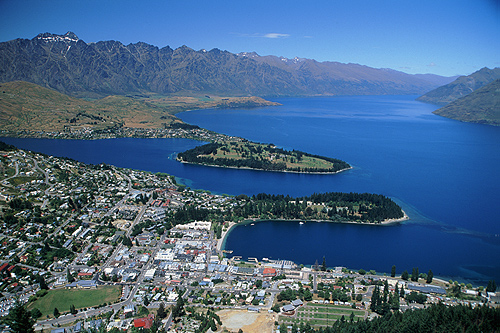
<point>443,173</point>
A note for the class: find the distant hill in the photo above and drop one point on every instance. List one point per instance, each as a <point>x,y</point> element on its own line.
<point>69,65</point>
<point>481,106</point>
<point>462,86</point>
<point>27,106</point>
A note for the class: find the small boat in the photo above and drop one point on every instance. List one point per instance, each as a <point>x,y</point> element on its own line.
<point>252,224</point>
<point>301,222</point>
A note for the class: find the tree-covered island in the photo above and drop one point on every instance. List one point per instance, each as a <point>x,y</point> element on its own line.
<point>268,157</point>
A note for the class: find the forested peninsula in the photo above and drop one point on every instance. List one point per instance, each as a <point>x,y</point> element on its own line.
<point>364,208</point>
<point>259,156</point>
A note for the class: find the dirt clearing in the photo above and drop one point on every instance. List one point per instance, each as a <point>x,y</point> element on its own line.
<point>233,320</point>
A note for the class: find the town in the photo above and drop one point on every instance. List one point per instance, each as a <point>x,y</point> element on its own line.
<point>96,247</point>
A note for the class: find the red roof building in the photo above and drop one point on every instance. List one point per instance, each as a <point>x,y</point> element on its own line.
<point>269,272</point>
<point>4,267</point>
<point>145,322</point>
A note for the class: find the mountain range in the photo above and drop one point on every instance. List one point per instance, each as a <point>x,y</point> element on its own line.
<point>94,70</point>
<point>461,87</point>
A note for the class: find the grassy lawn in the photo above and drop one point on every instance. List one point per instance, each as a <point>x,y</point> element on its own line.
<point>321,315</point>
<point>20,180</point>
<point>306,161</point>
<point>62,299</point>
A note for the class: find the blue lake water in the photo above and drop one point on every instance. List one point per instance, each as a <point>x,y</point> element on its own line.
<point>444,173</point>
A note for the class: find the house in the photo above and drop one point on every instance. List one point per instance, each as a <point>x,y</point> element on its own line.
<point>145,322</point>
<point>288,308</point>
<point>95,324</point>
<point>296,303</point>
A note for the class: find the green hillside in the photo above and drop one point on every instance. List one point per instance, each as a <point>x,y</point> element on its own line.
<point>461,87</point>
<point>482,106</point>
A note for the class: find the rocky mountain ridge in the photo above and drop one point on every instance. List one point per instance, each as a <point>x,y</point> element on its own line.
<point>93,70</point>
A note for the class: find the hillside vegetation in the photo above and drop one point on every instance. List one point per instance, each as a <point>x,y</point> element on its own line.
<point>482,106</point>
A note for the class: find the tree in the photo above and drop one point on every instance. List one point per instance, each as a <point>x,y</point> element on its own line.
<point>308,296</point>
<point>491,287</point>
<point>416,297</point>
<point>323,266</point>
<point>361,271</point>
<point>178,309</point>
<point>414,274</point>
<point>404,275</point>
<point>161,313</point>
<point>393,271</point>
<point>127,241</point>
<point>19,319</point>
<point>43,284</point>
<point>69,277</point>
<point>72,309</point>
<point>35,313</point>
<point>56,313</point>
<point>430,275</point>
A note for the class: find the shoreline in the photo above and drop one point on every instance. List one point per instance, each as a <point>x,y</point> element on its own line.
<point>284,171</point>
<point>221,243</point>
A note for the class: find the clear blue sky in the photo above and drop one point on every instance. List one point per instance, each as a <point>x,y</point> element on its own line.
<point>445,37</point>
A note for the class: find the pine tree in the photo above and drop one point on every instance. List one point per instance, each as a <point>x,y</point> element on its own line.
<point>43,284</point>
<point>430,275</point>
<point>404,275</point>
<point>161,314</point>
<point>69,277</point>
<point>375,301</point>
<point>56,313</point>
<point>491,287</point>
<point>414,274</point>
<point>393,271</point>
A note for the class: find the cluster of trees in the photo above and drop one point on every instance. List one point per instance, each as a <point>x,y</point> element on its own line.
<point>435,318</point>
<point>183,126</point>
<point>385,301</point>
<point>178,310</point>
<point>290,295</point>
<point>18,204</point>
<point>208,321</point>
<point>251,163</point>
<point>415,275</point>
<point>376,207</point>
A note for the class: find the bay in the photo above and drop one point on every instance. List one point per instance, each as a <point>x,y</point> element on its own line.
<point>443,172</point>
